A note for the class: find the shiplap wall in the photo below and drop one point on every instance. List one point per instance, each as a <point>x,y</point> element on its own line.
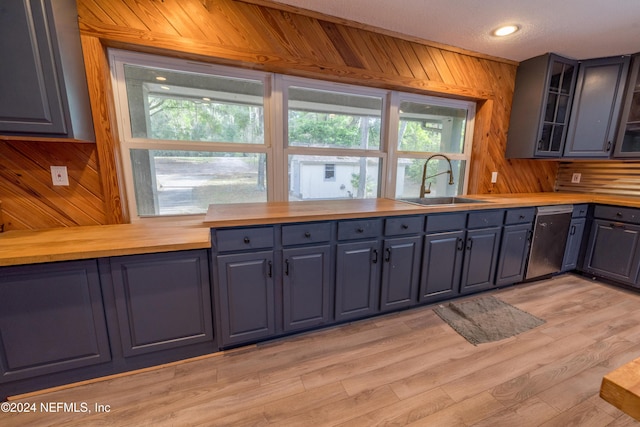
<point>609,177</point>
<point>261,35</point>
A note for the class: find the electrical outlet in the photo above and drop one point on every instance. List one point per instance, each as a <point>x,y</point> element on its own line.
<point>59,175</point>
<point>575,178</point>
<point>494,177</point>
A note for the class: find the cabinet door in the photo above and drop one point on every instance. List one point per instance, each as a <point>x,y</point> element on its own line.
<point>162,300</point>
<point>541,105</point>
<point>51,319</point>
<point>42,78</point>
<point>612,251</point>
<point>480,259</point>
<point>628,140</point>
<point>400,272</point>
<point>357,279</point>
<point>441,265</point>
<point>246,289</point>
<point>305,291</point>
<point>514,250</point>
<point>596,107</point>
<point>574,240</point>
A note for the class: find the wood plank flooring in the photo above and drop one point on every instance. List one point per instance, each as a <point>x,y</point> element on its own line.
<point>407,368</point>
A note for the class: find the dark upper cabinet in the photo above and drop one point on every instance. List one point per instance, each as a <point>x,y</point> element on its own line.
<point>43,88</point>
<point>541,105</point>
<point>628,140</point>
<point>596,107</point>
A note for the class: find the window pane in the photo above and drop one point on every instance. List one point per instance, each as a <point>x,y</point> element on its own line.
<point>431,128</point>
<point>186,182</point>
<point>178,105</point>
<point>353,177</point>
<point>330,119</point>
<point>410,175</point>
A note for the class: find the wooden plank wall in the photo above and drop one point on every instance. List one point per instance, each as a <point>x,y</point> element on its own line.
<point>609,177</point>
<point>272,37</point>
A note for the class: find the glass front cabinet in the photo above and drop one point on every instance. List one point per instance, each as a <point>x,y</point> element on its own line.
<point>628,140</point>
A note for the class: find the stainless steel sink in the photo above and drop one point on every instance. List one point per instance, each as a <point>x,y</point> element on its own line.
<point>441,200</point>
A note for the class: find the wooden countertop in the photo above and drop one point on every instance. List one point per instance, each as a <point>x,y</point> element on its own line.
<point>71,243</point>
<point>167,234</point>
<point>621,388</point>
<point>281,212</point>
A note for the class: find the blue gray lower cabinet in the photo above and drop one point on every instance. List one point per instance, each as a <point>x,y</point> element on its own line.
<point>442,265</point>
<point>163,301</point>
<point>73,320</point>
<point>574,241</point>
<point>357,279</point>
<point>51,319</point>
<point>480,259</point>
<point>613,251</point>
<point>306,287</point>
<point>514,251</point>
<point>246,296</point>
<point>400,272</point>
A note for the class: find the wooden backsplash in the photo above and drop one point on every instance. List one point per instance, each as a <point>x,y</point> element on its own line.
<point>609,177</point>
<point>260,35</point>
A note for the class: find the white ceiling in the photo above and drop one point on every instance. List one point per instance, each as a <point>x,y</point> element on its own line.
<point>578,29</point>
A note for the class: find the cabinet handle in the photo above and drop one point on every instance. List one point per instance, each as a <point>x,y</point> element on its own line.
<point>387,255</point>
<point>404,226</point>
<point>530,236</point>
<point>460,243</point>
<point>540,145</point>
<point>375,256</point>
<point>469,244</point>
<point>307,234</point>
<point>572,231</point>
<point>247,240</point>
<point>608,145</point>
<point>270,269</point>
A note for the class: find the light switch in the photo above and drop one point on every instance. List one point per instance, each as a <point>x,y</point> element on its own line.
<point>59,175</point>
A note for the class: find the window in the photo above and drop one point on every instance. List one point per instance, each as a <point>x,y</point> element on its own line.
<point>432,131</point>
<point>194,134</point>
<point>329,172</point>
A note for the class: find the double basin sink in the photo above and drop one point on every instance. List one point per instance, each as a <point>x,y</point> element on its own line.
<point>428,201</point>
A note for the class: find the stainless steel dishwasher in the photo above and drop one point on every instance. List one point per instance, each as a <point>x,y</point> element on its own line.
<point>549,239</point>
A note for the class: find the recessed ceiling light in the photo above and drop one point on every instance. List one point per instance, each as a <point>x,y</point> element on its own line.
<point>165,87</point>
<point>160,78</point>
<point>505,30</point>
<point>206,99</point>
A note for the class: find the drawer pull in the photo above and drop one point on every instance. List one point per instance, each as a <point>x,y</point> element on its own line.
<point>360,230</point>
<point>307,234</point>
<point>404,226</point>
<point>521,216</point>
<point>619,214</point>
<point>247,240</point>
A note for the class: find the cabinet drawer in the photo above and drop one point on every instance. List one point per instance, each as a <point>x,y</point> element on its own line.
<point>446,222</point>
<point>403,225</point>
<point>482,219</point>
<point>300,234</point>
<point>519,216</point>
<point>615,213</point>
<point>244,238</point>
<point>580,211</point>
<point>359,229</point>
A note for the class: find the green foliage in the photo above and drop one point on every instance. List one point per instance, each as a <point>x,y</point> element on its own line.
<point>191,120</point>
<point>333,130</point>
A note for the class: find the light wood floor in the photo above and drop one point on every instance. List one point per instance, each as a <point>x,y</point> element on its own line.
<point>407,368</point>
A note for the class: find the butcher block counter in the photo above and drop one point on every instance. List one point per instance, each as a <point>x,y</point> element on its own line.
<point>74,243</point>
<point>621,388</point>
<point>165,235</point>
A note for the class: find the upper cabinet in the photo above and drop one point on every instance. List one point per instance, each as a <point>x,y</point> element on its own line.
<point>628,140</point>
<point>596,107</point>
<point>42,81</point>
<point>566,108</point>
<point>541,105</point>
